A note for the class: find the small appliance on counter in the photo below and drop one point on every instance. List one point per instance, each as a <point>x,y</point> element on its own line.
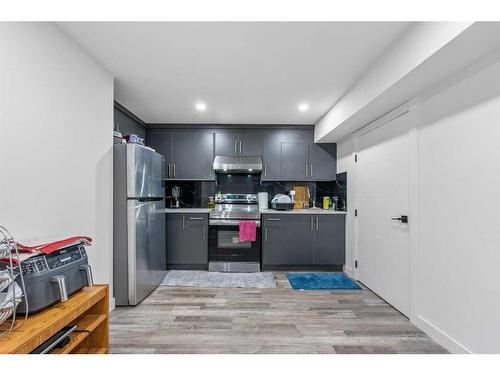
<point>51,278</point>
<point>282,202</point>
<point>263,199</point>
<point>176,196</point>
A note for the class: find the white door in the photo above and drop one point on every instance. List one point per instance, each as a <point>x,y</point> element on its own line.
<point>382,193</point>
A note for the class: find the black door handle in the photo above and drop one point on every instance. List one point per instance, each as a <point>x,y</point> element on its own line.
<point>402,218</point>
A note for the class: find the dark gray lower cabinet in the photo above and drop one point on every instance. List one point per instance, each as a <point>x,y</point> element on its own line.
<point>187,243</point>
<point>329,239</point>
<point>298,240</point>
<point>273,239</point>
<point>303,240</point>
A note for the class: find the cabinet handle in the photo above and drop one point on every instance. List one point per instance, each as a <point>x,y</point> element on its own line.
<point>311,174</point>
<point>195,218</point>
<point>174,169</point>
<point>235,147</point>
<point>265,234</point>
<point>168,172</point>
<point>183,222</point>
<point>312,222</point>
<point>307,169</point>
<point>265,170</point>
<point>240,148</point>
<point>317,222</point>
<point>273,219</point>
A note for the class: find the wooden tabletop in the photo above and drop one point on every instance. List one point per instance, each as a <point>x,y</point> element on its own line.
<point>39,327</point>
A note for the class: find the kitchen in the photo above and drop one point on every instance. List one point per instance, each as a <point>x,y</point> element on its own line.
<point>242,197</point>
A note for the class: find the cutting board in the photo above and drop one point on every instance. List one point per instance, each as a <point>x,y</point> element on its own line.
<point>301,197</point>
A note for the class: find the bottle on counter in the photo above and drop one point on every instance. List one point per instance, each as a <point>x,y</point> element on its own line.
<point>326,203</point>
<point>334,203</point>
<point>211,203</point>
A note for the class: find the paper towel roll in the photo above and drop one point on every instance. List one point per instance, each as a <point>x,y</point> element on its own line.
<point>263,200</point>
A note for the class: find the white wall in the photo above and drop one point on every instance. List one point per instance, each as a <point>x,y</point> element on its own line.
<point>56,122</point>
<point>345,163</point>
<point>415,46</point>
<point>456,272</point>
<point>458,279</point>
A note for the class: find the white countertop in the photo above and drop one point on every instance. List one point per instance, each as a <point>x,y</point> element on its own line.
<point>309,211</point>
<point>186,210</point>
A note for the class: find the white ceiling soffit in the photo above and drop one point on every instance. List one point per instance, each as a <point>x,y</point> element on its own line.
<point>425,55</point>
<point>244,72</point>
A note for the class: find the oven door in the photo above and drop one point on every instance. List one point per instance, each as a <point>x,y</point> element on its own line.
<point>224,243</point>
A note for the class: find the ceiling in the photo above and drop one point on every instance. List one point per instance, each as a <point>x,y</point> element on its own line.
<point>244,72</point>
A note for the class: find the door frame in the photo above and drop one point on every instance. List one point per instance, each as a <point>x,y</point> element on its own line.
<point>409,108</point>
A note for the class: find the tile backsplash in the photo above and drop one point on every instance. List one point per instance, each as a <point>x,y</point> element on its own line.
<point>196,193</point>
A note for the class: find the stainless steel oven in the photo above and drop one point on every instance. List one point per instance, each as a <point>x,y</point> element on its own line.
<point>226,253</point>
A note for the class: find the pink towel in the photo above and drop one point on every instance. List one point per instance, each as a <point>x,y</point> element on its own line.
<point>248,231</point>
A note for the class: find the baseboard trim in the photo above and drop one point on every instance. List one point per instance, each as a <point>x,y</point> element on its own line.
<point>349,271</point>
<point>188,267</point>
<point>286,267</point>
<point>443,339</point>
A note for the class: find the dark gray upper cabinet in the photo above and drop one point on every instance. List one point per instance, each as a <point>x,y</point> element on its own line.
<point>288,154</point>
<point>304,160</point>
<point>271,156</point>
<point>188,155</point>
<point>298,240</point>
<point>294,161</point>
<point>187,242</point>
<point>193,155</point>
<point>329,239</point>
<point>162,143</point>
<point>303,240</point>
<point>298,136</point>
<point>225,144</point>
<point>322,161</point>
<point>238,144</point>
<point>250,144</point>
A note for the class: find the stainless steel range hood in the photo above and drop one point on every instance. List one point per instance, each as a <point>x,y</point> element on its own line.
<point>238,164</point>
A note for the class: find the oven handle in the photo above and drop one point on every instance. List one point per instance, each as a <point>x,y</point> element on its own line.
<point>230,222</point>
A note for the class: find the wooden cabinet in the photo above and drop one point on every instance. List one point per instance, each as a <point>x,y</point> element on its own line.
<point>238,144</point>
<point>188,155</point>
<point>88,309</point>
<point>303,240</point>
<point>187,241</point>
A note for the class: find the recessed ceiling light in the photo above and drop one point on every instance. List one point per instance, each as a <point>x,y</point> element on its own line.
<point>303,107</point>
<point>201,107</point>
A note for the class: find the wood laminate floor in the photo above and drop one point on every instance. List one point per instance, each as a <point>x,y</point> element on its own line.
<point>280,320</point>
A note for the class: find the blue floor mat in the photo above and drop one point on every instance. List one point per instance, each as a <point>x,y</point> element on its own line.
<point>320,280</point>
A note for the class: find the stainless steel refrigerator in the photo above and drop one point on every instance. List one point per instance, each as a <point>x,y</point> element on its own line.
<point>139,249</point>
